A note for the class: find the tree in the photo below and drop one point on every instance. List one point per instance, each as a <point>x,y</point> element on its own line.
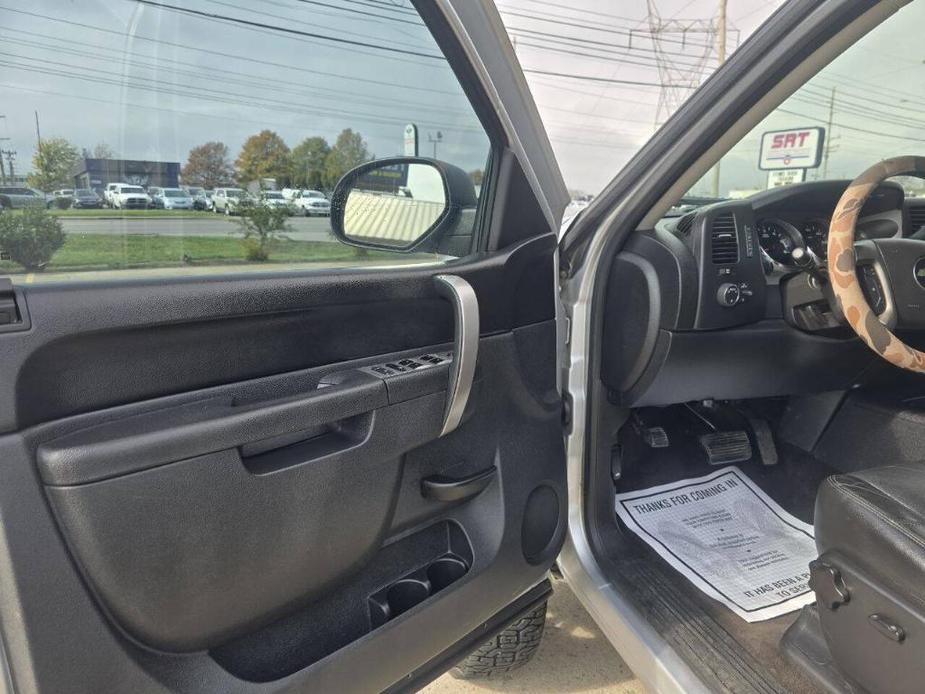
<point>259,227</point>
<point>100,151</point>
<point>53,164</point>
<point>207,166</point>
<point>31,238</point>
<point>103,151</point>
<point>308,158</point>
<point>348,152</point>
<point>264,155</point>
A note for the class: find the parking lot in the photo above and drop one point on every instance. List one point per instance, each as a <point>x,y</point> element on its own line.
<point>180,224</point>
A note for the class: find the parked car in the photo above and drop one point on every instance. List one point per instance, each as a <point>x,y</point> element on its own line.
<point>228,200</point>
<point>17,197</point>
<point>61,198</point>
<point>108,193</point>
<point>86,199</point>
<point>171,199</point>
<point>275,199</point>
<point>200,196</point>
<point>312,203</point>
<point>129,197</point>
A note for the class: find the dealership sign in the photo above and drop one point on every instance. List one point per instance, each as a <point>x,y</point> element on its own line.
<point>785,177</point>
<point>411,140</point>
<point>798,148</point>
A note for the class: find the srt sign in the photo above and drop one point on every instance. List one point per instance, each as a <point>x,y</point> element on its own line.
<point>798,148</point>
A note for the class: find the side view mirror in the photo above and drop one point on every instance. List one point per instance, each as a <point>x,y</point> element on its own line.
<point>400,204</point>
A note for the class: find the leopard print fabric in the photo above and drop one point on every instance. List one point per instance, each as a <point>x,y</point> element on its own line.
<point>843,271</point>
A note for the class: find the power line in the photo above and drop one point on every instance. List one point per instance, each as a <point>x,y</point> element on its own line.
<point>259,81</point>
<point>591,78</point>
<point>596,13</point>
<point>120,34</point>
<point>621,31</point>
<point>285,30</point>
<point>608,46</point>
<point>852,128</point>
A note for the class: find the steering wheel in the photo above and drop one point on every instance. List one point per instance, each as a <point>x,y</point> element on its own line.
<point>892,271</point>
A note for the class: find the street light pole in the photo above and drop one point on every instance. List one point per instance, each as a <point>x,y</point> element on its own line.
<point>435,139</point>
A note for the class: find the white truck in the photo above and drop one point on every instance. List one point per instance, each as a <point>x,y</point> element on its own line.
<point>124,196</point>
<point>312,203</point>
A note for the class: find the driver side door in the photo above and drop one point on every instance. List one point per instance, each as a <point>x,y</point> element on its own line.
<point>262,474</point>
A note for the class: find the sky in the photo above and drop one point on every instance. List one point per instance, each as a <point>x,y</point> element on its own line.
<point>595,127</point>
<point>152,81</point>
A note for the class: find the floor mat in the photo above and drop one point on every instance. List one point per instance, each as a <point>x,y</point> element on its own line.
<point>729,539</point>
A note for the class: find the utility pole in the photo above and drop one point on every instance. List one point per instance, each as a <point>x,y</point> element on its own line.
<point>38,133</point>
<point>2,167</point>
<point>828,136</point>
<point>721,58</point>
<point>10,156</point>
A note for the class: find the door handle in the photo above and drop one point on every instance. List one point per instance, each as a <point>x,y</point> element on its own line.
<point>465,346</point>
<point>443,488</point>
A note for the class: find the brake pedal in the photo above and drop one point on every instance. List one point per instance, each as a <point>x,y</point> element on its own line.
<point>725,447</point>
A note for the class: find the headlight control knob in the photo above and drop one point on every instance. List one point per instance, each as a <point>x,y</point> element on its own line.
<point>728,294</point>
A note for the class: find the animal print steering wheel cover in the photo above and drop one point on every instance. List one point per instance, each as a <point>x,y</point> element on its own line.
<point>843,269</point>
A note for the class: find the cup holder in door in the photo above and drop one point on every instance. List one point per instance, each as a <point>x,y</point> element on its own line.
<point>445,571</point>
<point>415,587</point>
<point>405,594</point>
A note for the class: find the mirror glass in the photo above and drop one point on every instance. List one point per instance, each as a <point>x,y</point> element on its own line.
<point>394,205</point>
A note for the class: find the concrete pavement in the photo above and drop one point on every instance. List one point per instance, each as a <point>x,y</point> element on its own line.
<point>301,228</point>
<point>574,656</point>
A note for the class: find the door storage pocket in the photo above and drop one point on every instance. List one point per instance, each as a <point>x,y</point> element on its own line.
<point>402,575</point>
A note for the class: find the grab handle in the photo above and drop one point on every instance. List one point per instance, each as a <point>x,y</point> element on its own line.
<point>465,346</point>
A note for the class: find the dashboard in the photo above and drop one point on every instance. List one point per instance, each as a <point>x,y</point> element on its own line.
<point>711,305</point>
<point>800,216</point>
<point>779,238</point>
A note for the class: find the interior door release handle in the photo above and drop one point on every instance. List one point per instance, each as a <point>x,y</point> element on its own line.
<point>443,488</point>
<point>465,346</point>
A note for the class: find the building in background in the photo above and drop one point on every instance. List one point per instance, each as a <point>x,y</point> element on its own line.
<point>97,173</point>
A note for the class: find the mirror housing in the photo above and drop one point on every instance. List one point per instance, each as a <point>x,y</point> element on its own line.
<point>402,204</point>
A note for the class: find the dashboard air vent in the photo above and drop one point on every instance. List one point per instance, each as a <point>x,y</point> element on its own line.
<point>683,225</point>
<point>917,217</point>
<point>723,240</point>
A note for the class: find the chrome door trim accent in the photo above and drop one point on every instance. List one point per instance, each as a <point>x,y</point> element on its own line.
<point>465,346</point>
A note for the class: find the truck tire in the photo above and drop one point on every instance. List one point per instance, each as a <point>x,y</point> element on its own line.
<point>509,650</point>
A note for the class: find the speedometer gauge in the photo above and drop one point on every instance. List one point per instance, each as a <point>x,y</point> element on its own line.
<point>816,234</point>
<point>777,240</point>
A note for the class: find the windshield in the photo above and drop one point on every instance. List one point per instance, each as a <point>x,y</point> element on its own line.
<point>85,191</point>
<point>861,108</point>
<point>175,194</point>
<point>234,192</point>
<point>312,194</point>
<point>273,196</point>
<point>131,189</point>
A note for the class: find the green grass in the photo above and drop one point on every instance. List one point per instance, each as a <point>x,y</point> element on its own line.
<point>106,212</point>
<point>104,252</point>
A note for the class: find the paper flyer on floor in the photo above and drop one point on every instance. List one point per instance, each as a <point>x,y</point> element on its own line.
<point>729,539</point>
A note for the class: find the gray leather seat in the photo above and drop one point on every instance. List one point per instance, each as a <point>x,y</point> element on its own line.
<point>870,576</point>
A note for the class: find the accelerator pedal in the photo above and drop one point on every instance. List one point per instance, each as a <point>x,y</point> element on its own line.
<point>726,447</point>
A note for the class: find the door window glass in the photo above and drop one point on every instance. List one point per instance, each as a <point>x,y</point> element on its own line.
<point>282,96</point>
